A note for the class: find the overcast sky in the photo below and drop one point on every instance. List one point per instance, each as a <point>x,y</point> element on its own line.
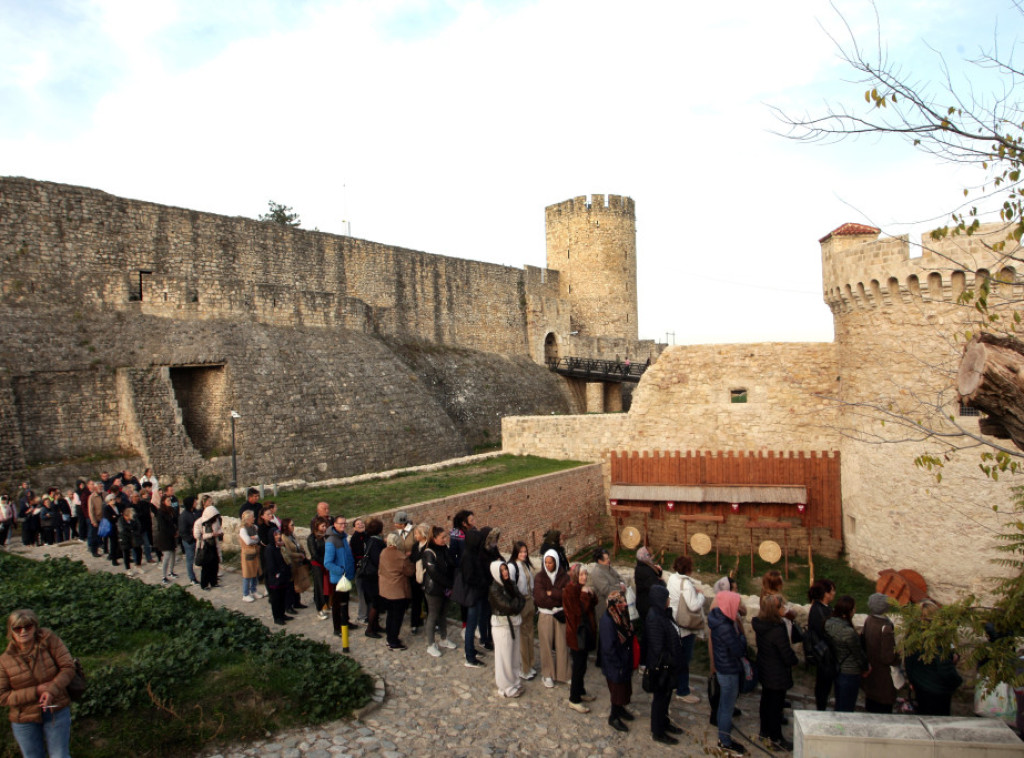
<point>449,126</point>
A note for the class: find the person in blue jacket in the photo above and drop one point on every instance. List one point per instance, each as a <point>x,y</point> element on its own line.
<point>339,562</point>
<point>728,645</point>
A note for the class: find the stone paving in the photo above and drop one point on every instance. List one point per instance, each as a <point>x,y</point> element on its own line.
<point>438,707</point>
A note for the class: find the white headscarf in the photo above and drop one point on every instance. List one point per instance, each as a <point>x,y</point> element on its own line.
<point>544,564</point>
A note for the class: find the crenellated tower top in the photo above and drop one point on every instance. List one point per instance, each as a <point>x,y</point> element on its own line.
<point>592,243</point>
<point>861,271</point>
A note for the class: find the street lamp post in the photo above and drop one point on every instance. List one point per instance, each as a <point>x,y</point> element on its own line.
<point>234,457</point>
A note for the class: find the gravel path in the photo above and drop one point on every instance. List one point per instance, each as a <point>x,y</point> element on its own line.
<point>428,706</point>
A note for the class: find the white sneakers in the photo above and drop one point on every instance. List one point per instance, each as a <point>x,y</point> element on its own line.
<point>528,675</point>
<point>434,650</point>
<point>579,707</point>
<point>248,599</point>
<point>447,644</point>
<point>549,682</point>
<point>323,615</point>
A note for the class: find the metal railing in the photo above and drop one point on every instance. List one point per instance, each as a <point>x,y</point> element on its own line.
<point>598,370</point>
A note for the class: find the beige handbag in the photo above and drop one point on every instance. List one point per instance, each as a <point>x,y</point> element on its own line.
<point>685,618</point>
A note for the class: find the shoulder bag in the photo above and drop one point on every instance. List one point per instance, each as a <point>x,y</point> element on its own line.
<point>685,618</point>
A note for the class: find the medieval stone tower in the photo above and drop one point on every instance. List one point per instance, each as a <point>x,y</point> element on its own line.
<point>899,331</point>
<point>592,243</point>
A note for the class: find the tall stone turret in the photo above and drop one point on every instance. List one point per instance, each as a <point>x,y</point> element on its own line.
<point>899,331</point>
<point>592,243</point>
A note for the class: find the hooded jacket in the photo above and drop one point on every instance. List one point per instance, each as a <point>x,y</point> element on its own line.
<point>663,645</point>
<point>727,644</point>
<point>550,604</point>
<point>506,601</point>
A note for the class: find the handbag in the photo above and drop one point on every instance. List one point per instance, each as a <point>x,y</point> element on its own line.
<point>76,687</point>
<point>636,653</point>
<point>344,584</point>
<point>687,619</point>
<point>200,552</point>
<point>559,615</point>
<point>103,530</point>
<point>899,679</point>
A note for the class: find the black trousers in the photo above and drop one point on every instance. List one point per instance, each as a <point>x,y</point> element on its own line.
<point>822,687</point>
<point>211,564</point>
<point>393,625</point>
<point>579,671</point>
<point>771,712</point>
<point>275,595</point>
<point>339,610</point>
<point>659,711</point>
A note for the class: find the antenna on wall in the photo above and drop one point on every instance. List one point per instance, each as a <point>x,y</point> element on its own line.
<point>344,210</point>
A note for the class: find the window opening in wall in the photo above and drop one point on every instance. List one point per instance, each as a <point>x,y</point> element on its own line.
<point>738,396</point>
<point>967,410</point>
<point>201,395</point>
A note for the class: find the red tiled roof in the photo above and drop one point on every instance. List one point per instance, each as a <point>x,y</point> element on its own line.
<point>850,230</point>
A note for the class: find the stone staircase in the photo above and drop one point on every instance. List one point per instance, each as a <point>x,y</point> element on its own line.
<point>152,421</point>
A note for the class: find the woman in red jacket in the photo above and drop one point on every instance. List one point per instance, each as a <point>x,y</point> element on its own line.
<point>35,671</point>
<point>580,633</point>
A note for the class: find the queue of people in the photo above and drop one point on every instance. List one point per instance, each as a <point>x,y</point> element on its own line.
<point>416,572</point>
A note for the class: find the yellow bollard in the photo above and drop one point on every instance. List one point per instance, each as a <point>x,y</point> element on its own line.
<point>344,638</point>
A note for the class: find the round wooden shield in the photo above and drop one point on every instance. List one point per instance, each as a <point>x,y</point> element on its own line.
<point>700,543</point>
<point>630,537</point>
<point>769,551</point>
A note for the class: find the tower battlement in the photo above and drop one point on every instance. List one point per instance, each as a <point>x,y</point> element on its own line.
<point>861,271</point>
<point>591,204</point>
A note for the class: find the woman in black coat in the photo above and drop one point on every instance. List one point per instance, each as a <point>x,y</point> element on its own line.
<point>664,650</point>
<point>821,594</point>
<point>775,661</point>
<point>647,574</point>
<point>616,638</point>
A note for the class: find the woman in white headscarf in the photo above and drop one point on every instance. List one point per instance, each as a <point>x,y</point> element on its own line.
<point>547,596</point>
<point>208,533</point>
<point>506,608</point>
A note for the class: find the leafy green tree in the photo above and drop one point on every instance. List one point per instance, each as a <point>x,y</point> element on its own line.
<point>280,214</point>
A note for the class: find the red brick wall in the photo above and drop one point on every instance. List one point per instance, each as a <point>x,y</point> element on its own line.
<point>571,501</point>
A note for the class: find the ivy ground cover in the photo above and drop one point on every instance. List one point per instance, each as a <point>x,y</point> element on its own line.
<point>168,673</point>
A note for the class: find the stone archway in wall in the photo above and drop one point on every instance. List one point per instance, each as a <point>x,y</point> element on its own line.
<point>551,354</point>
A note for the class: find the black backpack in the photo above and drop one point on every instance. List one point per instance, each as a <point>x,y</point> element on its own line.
<point>817,651</point>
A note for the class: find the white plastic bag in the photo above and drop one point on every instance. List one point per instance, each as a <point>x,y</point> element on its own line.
<point>634,614</point>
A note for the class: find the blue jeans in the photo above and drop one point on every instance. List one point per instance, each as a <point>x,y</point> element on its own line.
<point>730,686</point>
<point>51,738</point>
<point>249,585</point>
<point>847,688</point>
<point>473,614</point>
<point>93,539</point>
<point>683,683</point>
<point>190,559</point>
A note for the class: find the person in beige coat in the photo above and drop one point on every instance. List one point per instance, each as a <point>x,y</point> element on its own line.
<point>393,573</point>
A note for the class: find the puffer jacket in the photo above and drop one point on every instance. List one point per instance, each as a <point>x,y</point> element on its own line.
<point>50,663</point>
<point>727,644</point>
<point>505,599</point>
<point>845,642</point>
<point>660,633</point>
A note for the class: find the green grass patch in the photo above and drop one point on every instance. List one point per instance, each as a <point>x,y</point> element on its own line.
<point>410,488</point>
<point>168,673</point>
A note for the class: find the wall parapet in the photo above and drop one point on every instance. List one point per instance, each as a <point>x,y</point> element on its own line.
<point>862,272</point>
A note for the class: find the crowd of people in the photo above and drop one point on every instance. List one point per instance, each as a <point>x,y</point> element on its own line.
<point>572,610</point>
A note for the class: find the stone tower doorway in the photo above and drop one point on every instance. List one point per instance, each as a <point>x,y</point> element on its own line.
<point>551,348</point>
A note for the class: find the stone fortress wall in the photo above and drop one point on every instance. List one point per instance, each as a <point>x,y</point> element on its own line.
<point>131,329</point>
<point>898,336</point>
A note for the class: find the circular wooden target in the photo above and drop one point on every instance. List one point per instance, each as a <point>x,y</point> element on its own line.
<point>700,543</point>
<point>630,537</point>
<point>769,551</point>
